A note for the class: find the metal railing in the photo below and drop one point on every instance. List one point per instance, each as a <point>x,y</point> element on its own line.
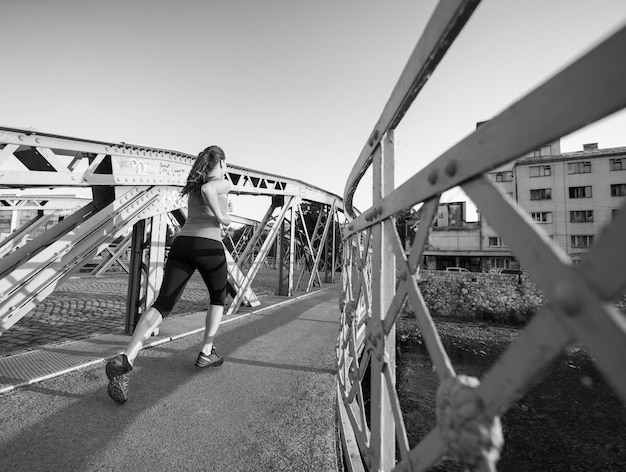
<point>378,277</point>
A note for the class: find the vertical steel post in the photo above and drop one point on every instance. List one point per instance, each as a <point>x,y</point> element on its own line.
<point>332,275</point>
<point>15,218</point>
<point>292,247</point>
<point>383,286</point>
<point>134,277</point>
<point>146,267</point>
<point>280,258</point>
<point>327,246</point>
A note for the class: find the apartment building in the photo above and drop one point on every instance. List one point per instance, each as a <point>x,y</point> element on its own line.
<point>572,196</point>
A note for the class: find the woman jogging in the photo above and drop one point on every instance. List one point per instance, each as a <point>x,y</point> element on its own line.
<point>197,246</point>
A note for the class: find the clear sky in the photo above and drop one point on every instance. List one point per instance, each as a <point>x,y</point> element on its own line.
<point>292,87</point>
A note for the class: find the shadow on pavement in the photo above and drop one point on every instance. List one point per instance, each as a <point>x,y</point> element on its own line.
<point>85,423</point>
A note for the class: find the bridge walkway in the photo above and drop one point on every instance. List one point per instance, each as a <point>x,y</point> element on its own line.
<point>271,406</point>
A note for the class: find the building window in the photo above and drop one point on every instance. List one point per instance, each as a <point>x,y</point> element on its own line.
<point>504,176</point>
<point>542,216</point>
<point>499,262</point>
<point>584,240</point>
<point>618,190</point>
<point>579,167</point>
<point>495,241</point>
<point>580,192</point>
<point>616,164</point>
<point>540,171</point>
<point>541,194</point>
<point>544,151</point>
<point>582,216</point>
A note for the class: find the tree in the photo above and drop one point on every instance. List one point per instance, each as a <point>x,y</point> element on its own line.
<point>406,225</point>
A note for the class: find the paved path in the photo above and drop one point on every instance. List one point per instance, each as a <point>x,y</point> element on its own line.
<point>87,306</point>
<point>270,407</point>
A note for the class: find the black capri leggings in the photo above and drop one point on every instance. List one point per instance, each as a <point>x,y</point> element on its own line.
<point>186,255</point>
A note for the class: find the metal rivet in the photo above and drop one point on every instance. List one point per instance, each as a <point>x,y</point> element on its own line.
<point>386,358</point>
<point>37,140</point>
<point>451,168</point>
<point>432,177</point>
<point>21,137</point>
<point>374,138</point>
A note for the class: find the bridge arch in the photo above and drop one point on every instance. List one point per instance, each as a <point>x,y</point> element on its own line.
<point>138,187</point>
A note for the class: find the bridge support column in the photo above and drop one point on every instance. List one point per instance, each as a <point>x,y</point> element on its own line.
<point>383,289</point>
<point>327,271</point>
<point>134,301</point>
<point>292,248</point>
<point>285,250</point>
<point>147,260</point>
<point>15,218</point>
<point>280,259</point>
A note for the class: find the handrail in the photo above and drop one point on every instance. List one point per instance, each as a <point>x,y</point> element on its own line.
<point>379,277</point>
<point>573,98</point>
<point>443,27</point>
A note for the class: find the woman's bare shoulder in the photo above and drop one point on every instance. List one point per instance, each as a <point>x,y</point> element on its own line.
<point>218,185</point>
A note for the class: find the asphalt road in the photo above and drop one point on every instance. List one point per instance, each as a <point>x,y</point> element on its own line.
<point>270,407</point>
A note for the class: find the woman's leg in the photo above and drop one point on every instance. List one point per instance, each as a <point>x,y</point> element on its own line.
<point>211,263</point>
<point>175,277</point>
<point>213,319</point>
<point>148,322</point>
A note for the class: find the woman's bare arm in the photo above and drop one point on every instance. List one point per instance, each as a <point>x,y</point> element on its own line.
<point>210,191</point>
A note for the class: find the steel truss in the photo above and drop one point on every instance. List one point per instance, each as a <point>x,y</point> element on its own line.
<point>134,188</point>
<point>581,297</point>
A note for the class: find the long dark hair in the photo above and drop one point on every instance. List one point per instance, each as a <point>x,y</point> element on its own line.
<point>206,161</point>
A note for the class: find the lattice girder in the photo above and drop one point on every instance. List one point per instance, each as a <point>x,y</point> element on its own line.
<point>30,277</point>
<point>47,161</point>
<point>269,240</point>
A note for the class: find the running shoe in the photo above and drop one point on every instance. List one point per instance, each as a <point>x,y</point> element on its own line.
<point>118,371</point>
<point>212,360</point>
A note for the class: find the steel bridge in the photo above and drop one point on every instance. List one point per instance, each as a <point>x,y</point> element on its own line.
<point>137,187</point>
<point>135,199</point>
